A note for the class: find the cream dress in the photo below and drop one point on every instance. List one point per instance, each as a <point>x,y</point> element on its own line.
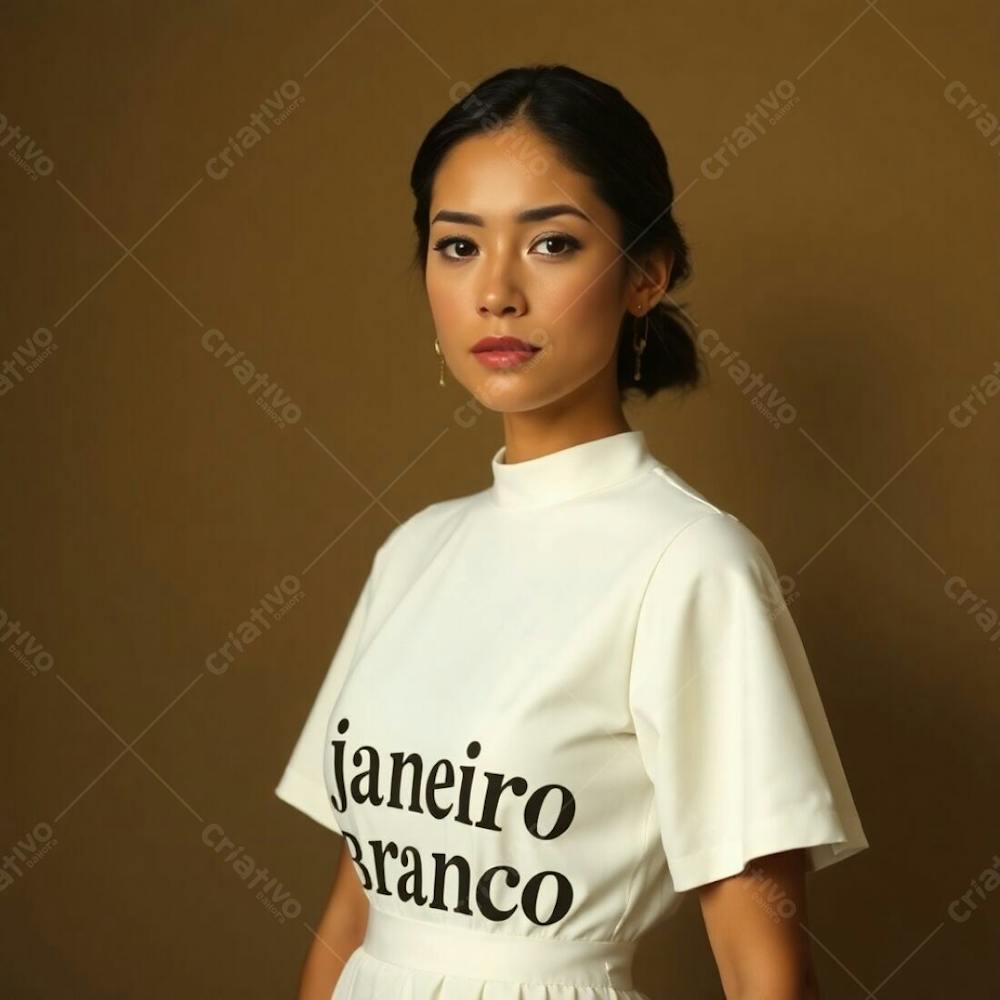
<point>559,704</point>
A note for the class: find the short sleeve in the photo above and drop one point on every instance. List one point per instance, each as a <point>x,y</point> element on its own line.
<point>302,784</point>
<point>729,722</point>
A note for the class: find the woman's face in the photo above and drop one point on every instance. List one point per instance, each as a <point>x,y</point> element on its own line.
<point>557,282</point>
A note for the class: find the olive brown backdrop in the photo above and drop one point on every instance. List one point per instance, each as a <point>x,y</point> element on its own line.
<point>845,261</point>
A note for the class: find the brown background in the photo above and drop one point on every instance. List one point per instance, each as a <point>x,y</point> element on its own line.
<point>849,255</point>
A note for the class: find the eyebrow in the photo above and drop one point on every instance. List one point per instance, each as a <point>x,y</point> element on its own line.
<point>528,215</point>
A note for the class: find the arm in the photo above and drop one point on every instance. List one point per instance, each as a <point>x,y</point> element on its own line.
<point>753,923</point>
<point>340,932</point>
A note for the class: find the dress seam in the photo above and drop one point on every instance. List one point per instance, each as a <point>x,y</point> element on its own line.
<point>601,990</point>
<point>673,484</point>
<point>649,579</point>
<point>488,934</point>
<point>637,867</point>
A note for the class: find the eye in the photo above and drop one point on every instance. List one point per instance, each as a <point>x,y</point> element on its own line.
<point>570,241</point>
<point>446,241</point>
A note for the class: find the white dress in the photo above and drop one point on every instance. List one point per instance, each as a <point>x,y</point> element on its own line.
<point>560,703</point>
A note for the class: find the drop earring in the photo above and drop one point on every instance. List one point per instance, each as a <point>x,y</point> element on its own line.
<point>638,346</point>
<point>437,348</point>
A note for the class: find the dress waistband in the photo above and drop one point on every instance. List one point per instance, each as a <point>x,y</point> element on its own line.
<point>457,951</point>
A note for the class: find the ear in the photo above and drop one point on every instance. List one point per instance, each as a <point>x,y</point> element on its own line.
<point>650,277</point>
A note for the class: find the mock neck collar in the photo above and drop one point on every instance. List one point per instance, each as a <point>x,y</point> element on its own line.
<point>570,472</point>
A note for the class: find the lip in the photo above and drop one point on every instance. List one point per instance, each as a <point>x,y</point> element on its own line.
<point>503,352</point>
<point>491,344</point>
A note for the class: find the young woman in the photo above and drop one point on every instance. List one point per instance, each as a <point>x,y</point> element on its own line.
<point>566,700</point>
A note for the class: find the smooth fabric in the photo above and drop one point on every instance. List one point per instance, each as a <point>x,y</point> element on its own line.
<point>559,704</point>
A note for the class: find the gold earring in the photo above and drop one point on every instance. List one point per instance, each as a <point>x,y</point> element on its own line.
<point>638,346</point>
<point>437,348</point>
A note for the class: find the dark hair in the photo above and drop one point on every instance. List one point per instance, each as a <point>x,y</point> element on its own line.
<point>599,134</point>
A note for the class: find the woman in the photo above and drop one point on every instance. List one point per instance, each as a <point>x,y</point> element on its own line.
<point>564,701</point>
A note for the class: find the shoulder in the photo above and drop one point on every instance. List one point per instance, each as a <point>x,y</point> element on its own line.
<point>715,572</point>
<point>714,580</point>
<point>712,547</point>
<point>715,540</point>
<point>689,528</point>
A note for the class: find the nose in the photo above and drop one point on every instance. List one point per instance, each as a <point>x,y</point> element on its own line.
<point>501,297</point>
